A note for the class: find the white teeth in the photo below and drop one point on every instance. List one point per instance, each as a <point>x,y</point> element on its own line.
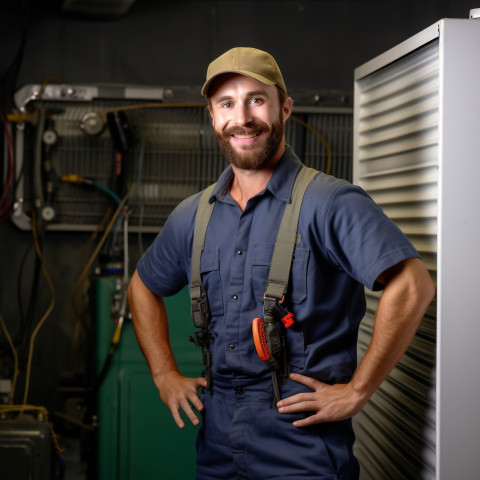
<point>246,136</point>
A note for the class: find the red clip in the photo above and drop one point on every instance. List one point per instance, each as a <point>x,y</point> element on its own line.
<point>118,164</point>
<point>288,320</point>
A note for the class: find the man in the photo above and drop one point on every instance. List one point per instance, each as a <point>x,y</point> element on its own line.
<point>346,242</point>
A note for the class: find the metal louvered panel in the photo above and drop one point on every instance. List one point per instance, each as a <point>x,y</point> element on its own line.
<point>396,135</point>
<point>416,144</point>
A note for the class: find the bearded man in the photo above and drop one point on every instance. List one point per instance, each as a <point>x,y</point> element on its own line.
<point>345,242</point>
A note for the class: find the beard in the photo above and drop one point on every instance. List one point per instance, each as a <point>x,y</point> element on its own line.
<point>247,158</point>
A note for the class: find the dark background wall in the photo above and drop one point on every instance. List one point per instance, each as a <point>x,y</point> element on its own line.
<point>318,44</point>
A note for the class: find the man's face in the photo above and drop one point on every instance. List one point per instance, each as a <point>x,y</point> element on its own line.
<point>248,121</point>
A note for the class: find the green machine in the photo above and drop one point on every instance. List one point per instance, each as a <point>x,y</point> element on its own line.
<point>137,437</point>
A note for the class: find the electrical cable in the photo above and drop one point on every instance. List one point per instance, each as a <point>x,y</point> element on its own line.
<point>117,333</point>
<point>94,255</point>
<point>47,80</point>
<point>138,177</point>
<point>139,165</point>
<point>35,277</point>
<point>24,406</point>
<point>328,167</point>
<point>84,295</point>
<point>141,106</point>
<point>73,420</point>
<point>105,189</point>
<point>9,77</point>
<point>32,302</point>
<point>41,411</point>
<point>15,358</point>
<point>6,210</point>
<point>45,315</point>
<point>37,184</point>
<point>74,178</point>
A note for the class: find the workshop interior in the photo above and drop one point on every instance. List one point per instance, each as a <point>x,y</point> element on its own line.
<point>104,132</point>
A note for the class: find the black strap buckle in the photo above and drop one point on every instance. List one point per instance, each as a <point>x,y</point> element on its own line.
<point>274,311</point>
<point>200,310</point>
<point>202,338</point>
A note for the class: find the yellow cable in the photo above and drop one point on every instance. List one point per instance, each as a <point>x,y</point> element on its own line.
<point>328,167</point>
<point>155,105</point>
<point>94,255</point>
<point>45,315</point>
<point>79,312</point>
<point>117,334</point>
<point>15,357</point>
<point>42,411</point>
<point>53,78</point>
<point>72,178</point>
<point>17,117</point>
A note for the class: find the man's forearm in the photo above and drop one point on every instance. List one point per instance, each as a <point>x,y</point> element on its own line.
<point>150,322</point>
<point>405,298</point>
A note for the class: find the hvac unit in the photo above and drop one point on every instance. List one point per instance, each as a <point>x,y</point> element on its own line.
<point>80,145</point>
<point>25,448</point>
<point>416,149</point>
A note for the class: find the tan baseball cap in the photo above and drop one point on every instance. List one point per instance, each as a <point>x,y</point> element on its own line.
<point>247,61</point>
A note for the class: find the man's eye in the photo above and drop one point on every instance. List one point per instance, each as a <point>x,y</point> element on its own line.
<point>255,100</point>
<point>226,105</point>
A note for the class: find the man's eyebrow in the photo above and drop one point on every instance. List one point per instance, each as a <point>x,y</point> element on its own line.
<point>256,92</point>
<point>253,93</point>
<point>223,98</point>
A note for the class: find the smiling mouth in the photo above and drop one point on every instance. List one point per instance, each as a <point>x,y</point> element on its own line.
<point>246,136</point>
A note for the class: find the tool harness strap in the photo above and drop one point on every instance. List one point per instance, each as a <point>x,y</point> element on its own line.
<point>287,238</point>
<point>282,255</point>
<point>200,310</point>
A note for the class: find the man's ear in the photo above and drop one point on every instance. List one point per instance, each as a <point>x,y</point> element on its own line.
<point>287,108</point>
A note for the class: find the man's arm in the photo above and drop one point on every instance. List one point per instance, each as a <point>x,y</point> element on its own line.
<point>150,322</point>
<point>408,292</point>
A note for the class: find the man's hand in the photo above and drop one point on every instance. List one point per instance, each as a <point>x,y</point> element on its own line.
<point>150,321</point>
<point>180,393</point>
<point>328,402</point>
<point>407,293</point>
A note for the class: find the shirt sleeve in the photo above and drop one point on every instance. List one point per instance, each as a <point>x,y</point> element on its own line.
<point>361,239</point>
<point>164,266</point>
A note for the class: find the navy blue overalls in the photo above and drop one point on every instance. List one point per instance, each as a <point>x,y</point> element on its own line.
<point>242,435</point>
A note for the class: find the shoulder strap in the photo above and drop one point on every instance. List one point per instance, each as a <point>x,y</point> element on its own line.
<point>284,246</point>
<point>197,291</point>
<point>287,238</point>
<point>279,267</point>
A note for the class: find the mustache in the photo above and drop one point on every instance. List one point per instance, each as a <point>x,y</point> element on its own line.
<point>255,126</point>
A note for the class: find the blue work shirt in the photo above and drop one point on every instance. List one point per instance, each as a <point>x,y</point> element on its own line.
<point>346,242</point>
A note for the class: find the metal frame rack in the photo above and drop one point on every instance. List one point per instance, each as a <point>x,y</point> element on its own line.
<point>172,153</point>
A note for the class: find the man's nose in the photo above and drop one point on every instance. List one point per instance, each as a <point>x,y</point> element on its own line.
<point>242,114</point>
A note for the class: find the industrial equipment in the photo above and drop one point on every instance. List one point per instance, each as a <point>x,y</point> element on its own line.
<point>416,147</point>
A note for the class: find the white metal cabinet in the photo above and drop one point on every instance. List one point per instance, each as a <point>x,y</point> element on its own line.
<point>417,152</point>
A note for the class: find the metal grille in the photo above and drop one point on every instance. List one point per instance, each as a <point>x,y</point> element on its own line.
<point>396,161</point>
<point>174,155</point>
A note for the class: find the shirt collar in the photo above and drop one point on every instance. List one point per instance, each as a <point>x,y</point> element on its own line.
<point>280,184</point>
